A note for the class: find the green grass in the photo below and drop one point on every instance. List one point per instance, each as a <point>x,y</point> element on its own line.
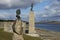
<point>31,38</point>
<point>8,36</point>
<point>5,35</point>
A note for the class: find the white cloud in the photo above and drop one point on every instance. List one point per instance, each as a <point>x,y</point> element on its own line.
<point>53,11</point>
<point>4,1</point>
<point>47,7</point>
<point>4,15</point>
<point>44,15</point>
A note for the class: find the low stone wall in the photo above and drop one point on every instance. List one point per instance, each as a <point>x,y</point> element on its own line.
<point>8,26</point>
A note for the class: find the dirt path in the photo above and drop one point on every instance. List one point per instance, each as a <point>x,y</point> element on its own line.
<point>48,35</point>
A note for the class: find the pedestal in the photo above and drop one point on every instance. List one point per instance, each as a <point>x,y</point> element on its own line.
<point>18,28</point>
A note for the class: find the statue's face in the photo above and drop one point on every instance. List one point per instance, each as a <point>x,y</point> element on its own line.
<point>18,12</point>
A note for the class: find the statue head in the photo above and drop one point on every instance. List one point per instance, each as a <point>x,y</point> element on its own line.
<point>18,12</point>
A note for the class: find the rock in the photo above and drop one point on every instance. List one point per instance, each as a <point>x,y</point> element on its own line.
<point>33,35</point>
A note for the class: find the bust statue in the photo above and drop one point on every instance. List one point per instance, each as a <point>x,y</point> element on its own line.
<point>31,7</point>
<point>18,12</point>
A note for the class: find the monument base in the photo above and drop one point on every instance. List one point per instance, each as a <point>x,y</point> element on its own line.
<point>17,37</point>
<point>33,35</point>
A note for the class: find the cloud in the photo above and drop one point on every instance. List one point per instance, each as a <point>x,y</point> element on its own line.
<point>53,9</point>
<point>47,7</point>
<point>4,15</point>
<point>7,15</point>
<point>7,4</point>
<point>44,15</point>
<point>11,15</point>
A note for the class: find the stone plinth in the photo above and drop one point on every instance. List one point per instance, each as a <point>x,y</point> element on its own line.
<point>18,37</point>
<point>18,28</point>
<point>31,23</point>
<point>33,35</point>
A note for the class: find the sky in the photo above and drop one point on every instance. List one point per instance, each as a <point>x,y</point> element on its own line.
<point>44,10</point>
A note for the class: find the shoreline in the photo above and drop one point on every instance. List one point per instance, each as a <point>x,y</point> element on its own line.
<point>47,30</point>
<point>48,35</point>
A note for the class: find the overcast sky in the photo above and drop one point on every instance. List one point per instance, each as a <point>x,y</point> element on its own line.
<point>43,9</point>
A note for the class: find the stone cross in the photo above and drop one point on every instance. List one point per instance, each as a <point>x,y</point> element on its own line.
<point>15,22</point>
<point>18,27</point>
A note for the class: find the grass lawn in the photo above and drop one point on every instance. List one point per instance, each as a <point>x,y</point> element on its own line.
<point>5,35</point>
<point>31,38</point>
<point>8,36</point>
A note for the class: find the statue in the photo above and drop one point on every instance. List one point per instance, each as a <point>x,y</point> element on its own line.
<point>31,7</point>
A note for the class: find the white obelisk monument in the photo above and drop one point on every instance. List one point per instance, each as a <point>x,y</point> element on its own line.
<point>32,31</point>
<point>31,21</point>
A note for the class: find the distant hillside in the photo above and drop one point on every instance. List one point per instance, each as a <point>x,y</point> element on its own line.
<point>51,22</point>
<point>54,22</point>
